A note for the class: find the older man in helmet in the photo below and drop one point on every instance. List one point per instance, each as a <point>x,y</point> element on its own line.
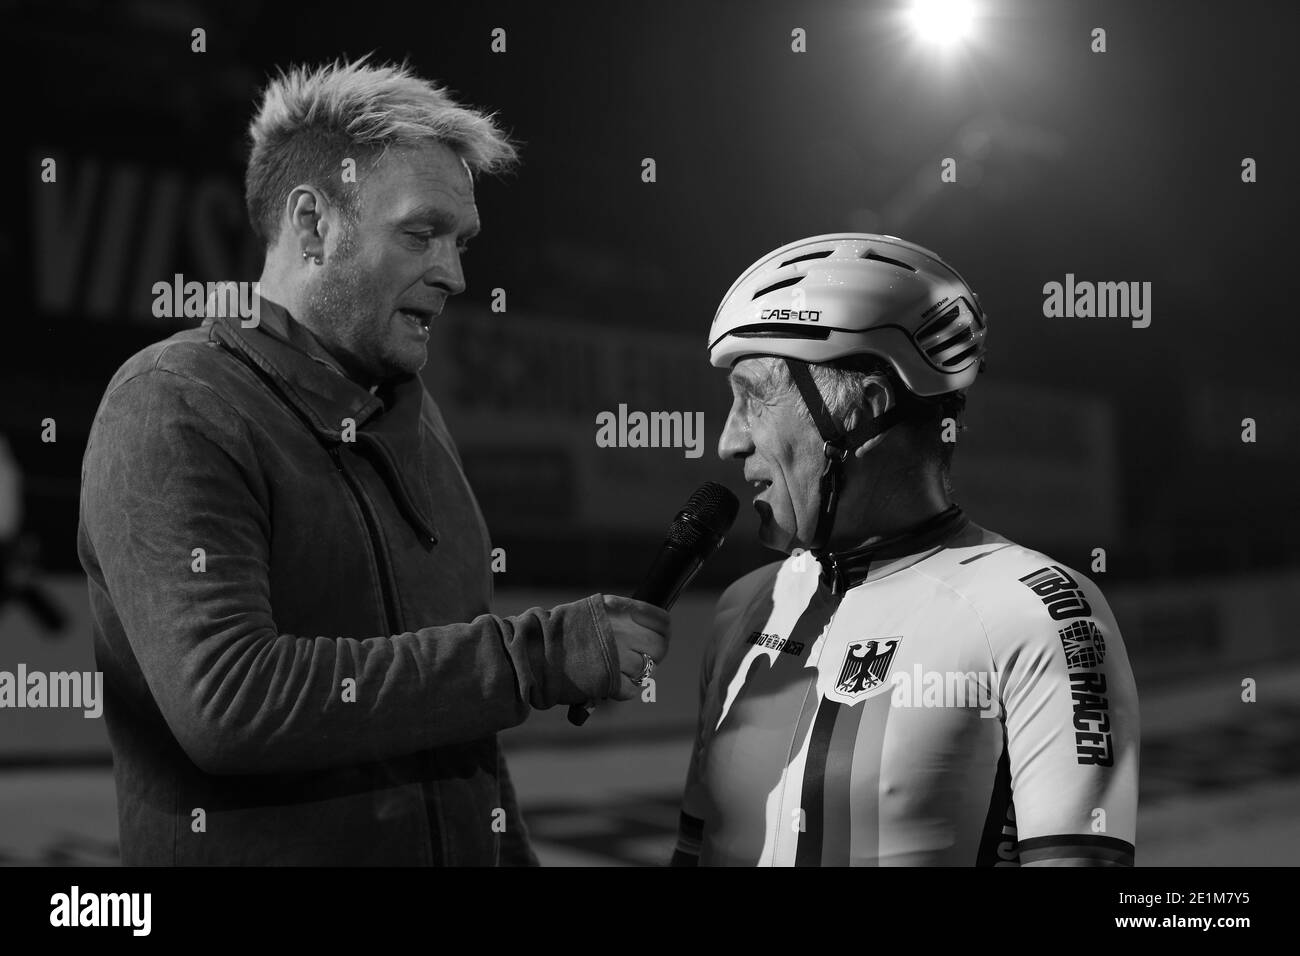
<point>921,691</point>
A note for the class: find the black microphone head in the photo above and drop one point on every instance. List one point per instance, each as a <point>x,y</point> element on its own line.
<point>710,513</point>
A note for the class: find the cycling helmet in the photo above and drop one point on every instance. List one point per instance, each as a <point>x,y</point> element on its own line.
<point>830,297</point>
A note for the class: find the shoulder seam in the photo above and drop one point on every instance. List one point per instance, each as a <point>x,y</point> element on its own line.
<point>973,609</point>
<point>183,377</point>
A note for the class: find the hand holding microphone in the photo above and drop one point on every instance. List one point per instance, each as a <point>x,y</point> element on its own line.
<point>641,632</point>
<point>640,627</point>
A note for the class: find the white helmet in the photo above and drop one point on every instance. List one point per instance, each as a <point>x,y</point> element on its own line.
<point>851,293</point>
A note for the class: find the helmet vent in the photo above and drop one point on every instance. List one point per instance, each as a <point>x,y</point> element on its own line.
<point>809,255</point>
<point>777,285</point>
<point>893,262</point>
<point>948,340</point>
<point>960,358</point>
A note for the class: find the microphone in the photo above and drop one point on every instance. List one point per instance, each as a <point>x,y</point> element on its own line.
<point>698,530</point>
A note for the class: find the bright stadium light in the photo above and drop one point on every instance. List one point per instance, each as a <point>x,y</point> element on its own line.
<point>943,22</point>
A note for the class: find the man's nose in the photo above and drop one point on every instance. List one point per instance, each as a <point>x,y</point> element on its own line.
<point>734,442</point>
<point>446,271</point>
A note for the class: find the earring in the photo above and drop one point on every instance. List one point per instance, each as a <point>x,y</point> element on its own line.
<point>316,259</point>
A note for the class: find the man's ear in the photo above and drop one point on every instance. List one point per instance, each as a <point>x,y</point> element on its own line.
<point>878,395</point>
<point>308,225</point>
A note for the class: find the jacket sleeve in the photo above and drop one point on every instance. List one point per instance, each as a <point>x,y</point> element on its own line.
<point>169,469</point>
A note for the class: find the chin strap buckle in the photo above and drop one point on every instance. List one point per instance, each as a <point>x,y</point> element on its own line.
<point>832,573</point>
<point>834,452</point>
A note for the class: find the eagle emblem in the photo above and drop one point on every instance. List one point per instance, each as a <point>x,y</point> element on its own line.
<point>866,666</point>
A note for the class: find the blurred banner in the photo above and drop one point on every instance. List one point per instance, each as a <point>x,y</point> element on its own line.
<point>558,421</point>
<point>117,226</point>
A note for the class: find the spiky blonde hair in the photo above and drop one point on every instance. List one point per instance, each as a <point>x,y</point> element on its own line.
<point>311,119</point>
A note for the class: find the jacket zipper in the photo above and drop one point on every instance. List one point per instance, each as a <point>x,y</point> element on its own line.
<point>386,595</point>
<point>437,844</point>
<point>376,545</point>
<point>437,849</point>
<point>408,512</point>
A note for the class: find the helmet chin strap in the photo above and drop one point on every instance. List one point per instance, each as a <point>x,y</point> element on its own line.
<point>837,445</point>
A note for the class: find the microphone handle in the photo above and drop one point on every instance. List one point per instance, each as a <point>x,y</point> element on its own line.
<point>661,586</point>
<point>672,570</point>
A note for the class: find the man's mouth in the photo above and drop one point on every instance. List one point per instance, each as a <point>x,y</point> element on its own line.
<point>759,485</point>
<point>420,318</point>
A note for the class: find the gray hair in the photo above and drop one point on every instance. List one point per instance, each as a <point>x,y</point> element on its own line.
<point>844,389</point>
<point>310,120</point>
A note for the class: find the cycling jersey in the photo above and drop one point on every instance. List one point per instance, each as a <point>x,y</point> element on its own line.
<point>962,701</point>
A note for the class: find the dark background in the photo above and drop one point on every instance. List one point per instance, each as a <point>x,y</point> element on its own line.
<point>1122,166</point>
<point>1118,166</point>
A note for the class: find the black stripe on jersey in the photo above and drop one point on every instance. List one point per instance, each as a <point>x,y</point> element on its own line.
<point>813,799</point>
<point>1077,846</point>
<point>1000,802</point>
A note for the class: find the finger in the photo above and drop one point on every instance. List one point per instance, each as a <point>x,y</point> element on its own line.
<point>654,644</point>
<point>637,640</point>
<point>627,688</point>
<point>630,661</point>
<point>647,615</point>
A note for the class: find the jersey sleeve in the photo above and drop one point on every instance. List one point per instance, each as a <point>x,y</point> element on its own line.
<point>1070,713</point>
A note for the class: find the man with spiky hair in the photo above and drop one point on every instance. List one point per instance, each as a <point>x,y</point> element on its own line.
<point>289,575</point>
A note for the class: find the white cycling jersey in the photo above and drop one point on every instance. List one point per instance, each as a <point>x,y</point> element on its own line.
<point>964,700</point>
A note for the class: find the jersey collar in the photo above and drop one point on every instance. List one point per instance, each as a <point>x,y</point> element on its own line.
<point>841,570</point>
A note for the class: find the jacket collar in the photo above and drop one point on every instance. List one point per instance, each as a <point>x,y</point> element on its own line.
<point>841,570</point>
<point>287,354</point>
<point>293,363</point>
